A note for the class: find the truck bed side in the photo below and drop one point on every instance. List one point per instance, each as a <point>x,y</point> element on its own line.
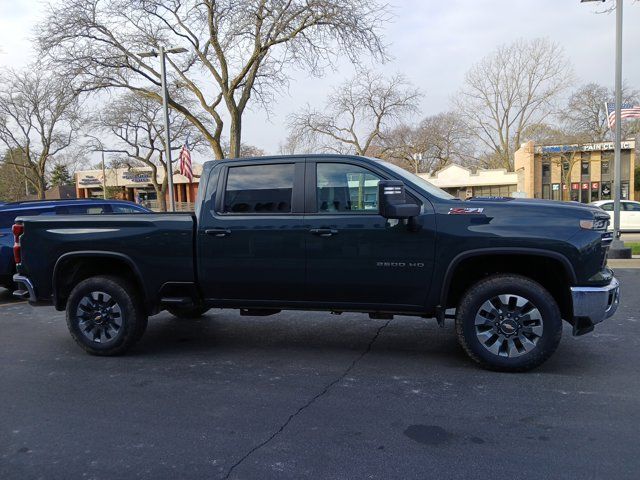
<point>156,249</point>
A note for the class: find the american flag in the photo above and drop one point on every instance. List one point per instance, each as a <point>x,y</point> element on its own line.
<point>627,110</point>
<point>185,162</point>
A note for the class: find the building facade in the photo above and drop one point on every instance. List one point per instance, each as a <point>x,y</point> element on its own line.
<point>465,183</point>
<point>580,173</point>
<point>134,184</point>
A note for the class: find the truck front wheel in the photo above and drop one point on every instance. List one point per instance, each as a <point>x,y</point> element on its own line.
<point>508,323</point>
<point>104,315</point>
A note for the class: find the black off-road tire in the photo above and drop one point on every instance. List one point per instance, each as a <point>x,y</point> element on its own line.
<point>516,285</point>
<point>188,313</point>
<point>133,318</point>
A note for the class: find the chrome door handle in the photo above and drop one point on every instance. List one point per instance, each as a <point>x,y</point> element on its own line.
<point>218,232</point>
<point>324,232</point>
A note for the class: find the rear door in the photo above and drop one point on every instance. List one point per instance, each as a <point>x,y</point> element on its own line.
<point>356,256</point>
<point>250,235</point>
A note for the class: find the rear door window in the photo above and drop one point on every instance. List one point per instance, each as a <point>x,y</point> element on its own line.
<point>82,209</point>
<point>125,209</point>
<point>259,189</point>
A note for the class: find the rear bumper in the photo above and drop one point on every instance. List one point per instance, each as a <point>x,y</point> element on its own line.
<point>592,305</point>
<point>26,290</point>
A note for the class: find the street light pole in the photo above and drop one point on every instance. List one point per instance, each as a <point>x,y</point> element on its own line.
<point>165,107</point>
<point>167,135</point>
<point>104,177</point>
<point>618,134</point>
<point>617,250</point>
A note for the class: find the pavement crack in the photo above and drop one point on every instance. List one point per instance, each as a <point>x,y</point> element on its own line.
<point>313,399</point>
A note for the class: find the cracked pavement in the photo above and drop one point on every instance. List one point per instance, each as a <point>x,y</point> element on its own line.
<point>311,395</point>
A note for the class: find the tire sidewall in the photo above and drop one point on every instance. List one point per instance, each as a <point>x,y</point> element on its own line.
<point>524,287</point>
<point>132,323</point>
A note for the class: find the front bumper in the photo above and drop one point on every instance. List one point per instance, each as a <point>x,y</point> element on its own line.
<point>592,305</point>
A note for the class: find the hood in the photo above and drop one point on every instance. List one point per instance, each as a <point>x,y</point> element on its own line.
<point>533,202</point>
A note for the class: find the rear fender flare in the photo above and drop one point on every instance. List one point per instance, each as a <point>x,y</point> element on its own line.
<point>93,254</point>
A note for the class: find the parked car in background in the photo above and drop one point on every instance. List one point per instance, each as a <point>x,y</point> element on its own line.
<point>9,212</point>
<point>629,214</point>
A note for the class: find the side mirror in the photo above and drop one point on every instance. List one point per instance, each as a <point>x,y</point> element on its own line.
<point>393,201</point>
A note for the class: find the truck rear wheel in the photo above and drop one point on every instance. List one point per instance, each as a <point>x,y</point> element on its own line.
<point>104,316</point>
<point>508,323</point>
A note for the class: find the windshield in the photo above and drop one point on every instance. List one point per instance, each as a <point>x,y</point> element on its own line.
<point>415,179</point>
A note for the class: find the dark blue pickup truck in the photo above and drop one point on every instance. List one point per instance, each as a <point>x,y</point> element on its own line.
<point>334,233</point>
<point>9,212</point>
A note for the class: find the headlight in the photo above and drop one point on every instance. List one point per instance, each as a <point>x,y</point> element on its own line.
<point>594,224</point>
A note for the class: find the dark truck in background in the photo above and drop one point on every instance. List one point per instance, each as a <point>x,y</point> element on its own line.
<point>334,233</point>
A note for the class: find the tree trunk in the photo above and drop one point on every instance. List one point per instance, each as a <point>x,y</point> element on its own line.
<point>235,134</point>
<point>41,187</point>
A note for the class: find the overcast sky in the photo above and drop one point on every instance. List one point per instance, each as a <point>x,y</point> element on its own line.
<point>432,42</point>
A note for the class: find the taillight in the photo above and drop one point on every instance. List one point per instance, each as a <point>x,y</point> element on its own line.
<point>18,230</point>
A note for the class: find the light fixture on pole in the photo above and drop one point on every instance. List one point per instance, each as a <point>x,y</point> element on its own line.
<point>165,107</point>
<point>617,250</point>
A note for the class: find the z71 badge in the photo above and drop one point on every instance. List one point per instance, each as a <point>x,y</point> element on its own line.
<point>465,211</point>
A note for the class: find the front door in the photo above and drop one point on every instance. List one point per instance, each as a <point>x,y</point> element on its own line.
<point>250,237</point>
<point>354,255</point>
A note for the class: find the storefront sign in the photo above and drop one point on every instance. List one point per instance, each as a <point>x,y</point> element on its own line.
<point>584,148</point>
<point>575,186</point>
<point>595,185</point>
<point>90,180</point>
<point>556,186</point>
<point>137,176</point>
<point>585,185</point>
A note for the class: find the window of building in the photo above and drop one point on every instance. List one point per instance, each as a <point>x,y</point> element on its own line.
<point>605,191</point>
<point>555,191</point>
<point>546,171</point>
<point>259,189</point>
<point>342,187</point>
<point>494,191</point>
<point>624,190</point>
<point>584,169</point>
<point>546,191</point>
<point>604,167</point>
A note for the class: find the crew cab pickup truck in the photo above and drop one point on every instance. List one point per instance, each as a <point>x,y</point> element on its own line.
<point>334,233</point>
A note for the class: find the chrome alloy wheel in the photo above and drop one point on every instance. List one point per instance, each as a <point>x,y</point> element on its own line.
<point>100,317</point>
<point>508,325</point>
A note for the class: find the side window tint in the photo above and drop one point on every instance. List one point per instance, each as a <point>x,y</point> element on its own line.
<point>259,189</point>
<point>124,209</point>
<point>608,207</point>
<point>346,188</point>
<point>631,207</point>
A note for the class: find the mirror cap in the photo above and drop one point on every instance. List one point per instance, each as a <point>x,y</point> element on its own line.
<point>393,201</point>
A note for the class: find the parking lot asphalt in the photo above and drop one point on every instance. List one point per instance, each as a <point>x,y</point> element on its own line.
<point>311,395</point>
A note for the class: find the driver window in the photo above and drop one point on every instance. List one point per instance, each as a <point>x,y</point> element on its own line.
<point>344,188</point>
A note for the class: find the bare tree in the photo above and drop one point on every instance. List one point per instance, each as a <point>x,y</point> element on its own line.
<point>431,145</point>
<point>356,114</point>
<point>136,122</point>
<point>586,112</point>
<point>39,117</point>
<point>13,184</point>
<point>237,49</point>
<point>513,87</point>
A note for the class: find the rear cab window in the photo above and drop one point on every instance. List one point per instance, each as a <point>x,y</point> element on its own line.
<point>259,189</point>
